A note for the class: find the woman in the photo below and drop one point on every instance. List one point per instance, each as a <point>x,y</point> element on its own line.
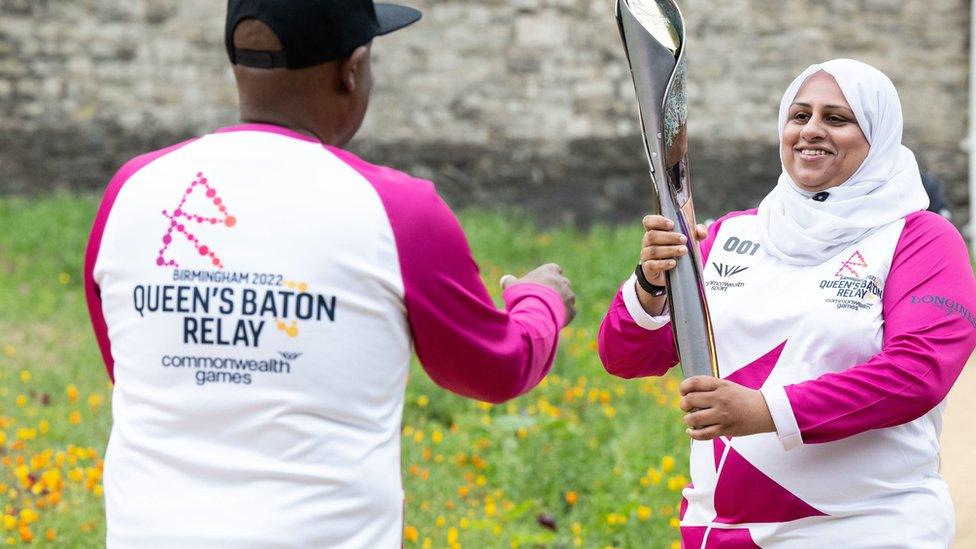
<point>843,313</point>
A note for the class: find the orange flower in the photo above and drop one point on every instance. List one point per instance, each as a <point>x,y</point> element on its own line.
<point>572,497</point>
<point>411,534</point>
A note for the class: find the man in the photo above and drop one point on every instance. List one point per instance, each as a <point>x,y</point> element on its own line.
<point>255,292</point>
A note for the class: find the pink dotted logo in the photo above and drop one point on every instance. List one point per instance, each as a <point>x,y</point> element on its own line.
<point>182,222</point>
<point>856,260</point>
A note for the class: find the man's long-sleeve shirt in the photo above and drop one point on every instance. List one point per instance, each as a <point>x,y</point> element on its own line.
<point>255,295</point>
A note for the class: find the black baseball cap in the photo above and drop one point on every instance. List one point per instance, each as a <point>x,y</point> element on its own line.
<point>313,31</point>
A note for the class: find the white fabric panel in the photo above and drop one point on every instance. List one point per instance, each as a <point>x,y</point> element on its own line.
<point>636,310</point>
<point>782,413</point>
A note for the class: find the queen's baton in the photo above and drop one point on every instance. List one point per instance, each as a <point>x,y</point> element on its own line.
<point>653,33</point>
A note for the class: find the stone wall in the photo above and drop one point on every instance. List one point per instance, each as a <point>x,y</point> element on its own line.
<point>502,102</point>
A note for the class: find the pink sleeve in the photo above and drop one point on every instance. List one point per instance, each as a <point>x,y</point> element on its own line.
<point>92,294</point>
<point>463,341</point>
<point>929,333</point>
<point>629,350</point>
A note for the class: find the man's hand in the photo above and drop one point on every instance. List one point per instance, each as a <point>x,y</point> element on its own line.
<point>551,276</point>
<point>718,407</point>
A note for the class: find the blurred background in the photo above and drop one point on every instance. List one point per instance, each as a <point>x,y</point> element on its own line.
<point>525,103</point>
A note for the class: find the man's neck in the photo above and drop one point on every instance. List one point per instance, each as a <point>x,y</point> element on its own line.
<point>323,132</point>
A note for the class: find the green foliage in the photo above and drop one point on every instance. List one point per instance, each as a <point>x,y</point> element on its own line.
<point>598,459</point>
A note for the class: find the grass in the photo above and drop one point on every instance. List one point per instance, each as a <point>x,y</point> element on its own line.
<point>583,460</point>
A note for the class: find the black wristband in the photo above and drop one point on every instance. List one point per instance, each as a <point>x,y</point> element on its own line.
<point>653,289</point>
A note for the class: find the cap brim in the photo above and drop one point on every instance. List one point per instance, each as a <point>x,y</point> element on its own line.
<point>391,17</point>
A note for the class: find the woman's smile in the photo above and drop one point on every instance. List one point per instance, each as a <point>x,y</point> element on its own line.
<point>811,153</point>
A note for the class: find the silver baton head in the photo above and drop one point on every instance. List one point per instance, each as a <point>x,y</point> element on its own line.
<point>653,33</point>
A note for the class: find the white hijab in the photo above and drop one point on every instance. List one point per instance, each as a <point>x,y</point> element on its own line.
<point>885,188</point>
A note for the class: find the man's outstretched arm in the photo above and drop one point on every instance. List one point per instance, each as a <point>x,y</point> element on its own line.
<point>465,343</point>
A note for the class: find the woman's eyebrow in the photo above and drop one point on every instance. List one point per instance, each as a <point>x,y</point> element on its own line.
<point>840,107</point>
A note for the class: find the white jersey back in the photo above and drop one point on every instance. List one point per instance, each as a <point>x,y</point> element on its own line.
<point>266,272</point>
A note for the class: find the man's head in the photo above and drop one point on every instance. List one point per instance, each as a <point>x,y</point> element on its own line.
<point>305,64</point>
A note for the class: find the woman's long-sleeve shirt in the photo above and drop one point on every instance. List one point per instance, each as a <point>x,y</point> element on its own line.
<point>854,358</point>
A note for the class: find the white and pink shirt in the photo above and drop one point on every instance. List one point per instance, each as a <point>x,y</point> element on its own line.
<point>255,295</point>
<point>854,358</point>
